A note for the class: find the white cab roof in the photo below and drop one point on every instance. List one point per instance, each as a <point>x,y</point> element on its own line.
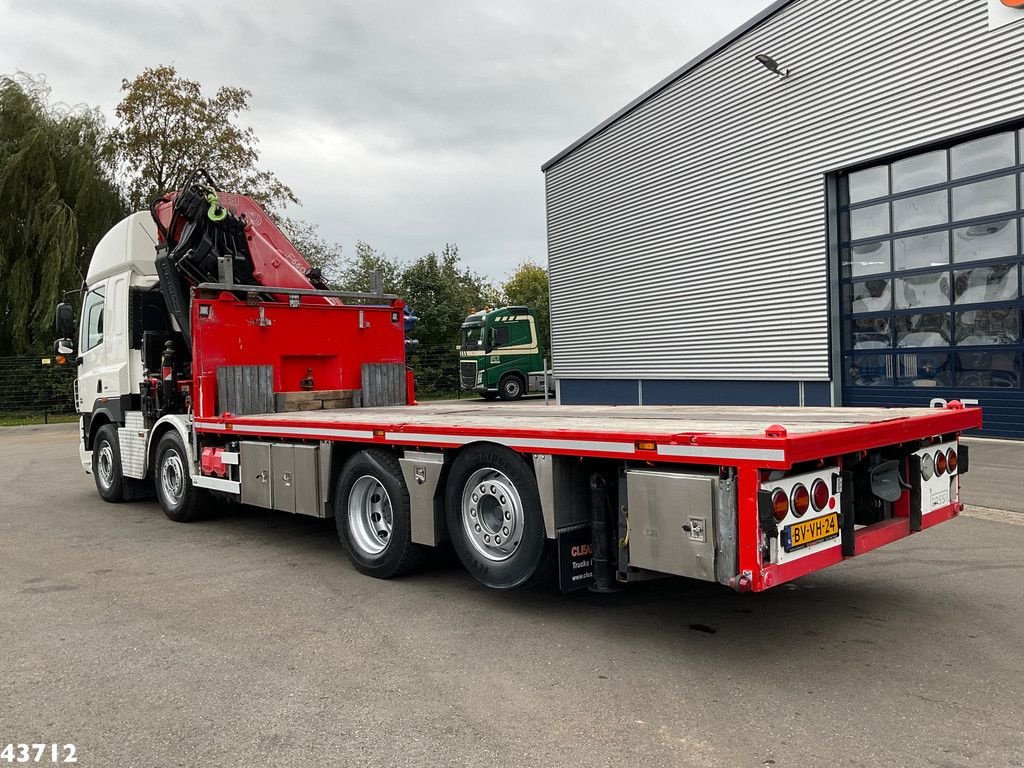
<point>129,245</point>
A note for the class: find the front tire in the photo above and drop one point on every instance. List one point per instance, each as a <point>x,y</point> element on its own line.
<point>510,387</point>
<point>181,501</point>
<point>494,518</point>
<point>106,465</point>
<point>372,514</point>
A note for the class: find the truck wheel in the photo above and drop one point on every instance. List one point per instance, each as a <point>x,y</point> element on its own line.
<point>510,387</point>
<point>494,517</point>
<point>371,511</point>
<point>106,464</point>
<point>181,501</point>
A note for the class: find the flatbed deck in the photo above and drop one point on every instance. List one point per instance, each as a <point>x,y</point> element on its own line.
<point>700,434</point>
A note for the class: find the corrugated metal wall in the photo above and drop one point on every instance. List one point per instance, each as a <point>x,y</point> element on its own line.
<point>688,239</point>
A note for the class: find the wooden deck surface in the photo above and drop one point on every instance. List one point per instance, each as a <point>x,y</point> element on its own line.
<point>649,420</point>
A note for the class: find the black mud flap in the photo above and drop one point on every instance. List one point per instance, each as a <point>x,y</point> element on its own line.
<point>846,514</point>
<point>914,465</point>
<point>575,558</point>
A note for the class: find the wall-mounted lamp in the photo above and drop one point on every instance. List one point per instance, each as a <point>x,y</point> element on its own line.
<point>771,65</point>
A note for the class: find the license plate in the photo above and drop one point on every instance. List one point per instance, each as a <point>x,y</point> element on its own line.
<point>806,532</point>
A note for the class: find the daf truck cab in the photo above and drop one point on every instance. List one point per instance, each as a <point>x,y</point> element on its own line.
<point>499,354</point>
<point>123,317</point>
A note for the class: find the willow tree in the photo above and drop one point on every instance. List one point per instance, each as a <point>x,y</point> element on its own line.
<point>57,199</point>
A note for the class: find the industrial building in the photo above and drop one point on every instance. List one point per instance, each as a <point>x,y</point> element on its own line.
<point>824,208</point>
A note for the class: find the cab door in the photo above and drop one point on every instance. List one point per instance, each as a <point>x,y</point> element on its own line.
<point>91,350</point>
<point>103,372</point>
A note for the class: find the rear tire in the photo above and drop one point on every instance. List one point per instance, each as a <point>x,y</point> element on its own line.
<point>106,464</point>
<point>181,501</point>
<point>494,518</point>
<point>511,387</point>
<point>372,515</point>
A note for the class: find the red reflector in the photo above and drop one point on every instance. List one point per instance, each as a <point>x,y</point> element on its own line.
<point>951,460</point>
<point>801,499</point>
<point>780,504</point>
<point>940,464</point>
<point>819,494</point>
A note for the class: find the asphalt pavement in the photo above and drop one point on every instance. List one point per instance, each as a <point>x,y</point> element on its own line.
<point>248,640</point>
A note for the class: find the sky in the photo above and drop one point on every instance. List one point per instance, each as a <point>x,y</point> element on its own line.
<point>407,125</point>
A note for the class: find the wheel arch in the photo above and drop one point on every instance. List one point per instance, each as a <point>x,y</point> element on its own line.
<point>99,418</point>
<point>162,427</point>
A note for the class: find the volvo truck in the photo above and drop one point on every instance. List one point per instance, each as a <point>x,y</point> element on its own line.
<point>499,354</point>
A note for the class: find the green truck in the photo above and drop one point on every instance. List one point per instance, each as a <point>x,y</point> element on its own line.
<point>499,355</point>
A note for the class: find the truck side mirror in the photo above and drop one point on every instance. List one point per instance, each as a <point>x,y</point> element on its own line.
<point>488,341</point>
<point>64,347</point>
<point>65,324</point>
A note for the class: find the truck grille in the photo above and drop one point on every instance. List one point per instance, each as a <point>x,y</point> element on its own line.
<point>467,373</point>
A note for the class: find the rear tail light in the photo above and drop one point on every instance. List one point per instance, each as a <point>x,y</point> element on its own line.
<point>780,505</point>
<point>927,466</point>
<point>940,464</point>
<point>951,460</point>
<point>819,495</point>
<point>801,499</point>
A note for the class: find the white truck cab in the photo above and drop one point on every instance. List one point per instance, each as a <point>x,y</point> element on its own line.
<point>110,359</point>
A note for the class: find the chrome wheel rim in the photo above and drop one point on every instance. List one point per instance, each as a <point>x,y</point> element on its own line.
<point>172,478</point>
<point>492,514</point>
<point>370,515</point>
<point>105,464</point>
<point>512,387</point>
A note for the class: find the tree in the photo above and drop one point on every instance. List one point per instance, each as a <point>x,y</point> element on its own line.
<point>356,273</point>
<point>166,128</point>
<point>528,286</point>
<point>58,197</point>
<point>442,292</point>
<point>325,256</point>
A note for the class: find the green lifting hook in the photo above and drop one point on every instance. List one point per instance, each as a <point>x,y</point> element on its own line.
<point>216,213</point>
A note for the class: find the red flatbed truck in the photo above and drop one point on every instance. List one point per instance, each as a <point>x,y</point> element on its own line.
<point>227,386</point>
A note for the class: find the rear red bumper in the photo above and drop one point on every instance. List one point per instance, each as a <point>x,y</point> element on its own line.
<point>867,538</point>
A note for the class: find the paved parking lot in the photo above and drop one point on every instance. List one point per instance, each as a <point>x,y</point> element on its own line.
<point>249,640</point>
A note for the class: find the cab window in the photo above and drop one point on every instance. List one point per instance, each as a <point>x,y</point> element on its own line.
<point>519,333</point>
<point>499,336</point>
<point>92,320</point>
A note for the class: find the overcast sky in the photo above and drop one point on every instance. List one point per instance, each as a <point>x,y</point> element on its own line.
<point>404,124</point>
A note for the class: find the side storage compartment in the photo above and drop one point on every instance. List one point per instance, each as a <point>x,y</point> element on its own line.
<point>672,522</point>
<point>282,476</point>
<point>254,472</point>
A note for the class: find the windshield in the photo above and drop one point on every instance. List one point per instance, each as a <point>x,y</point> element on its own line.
<point>472,338</point>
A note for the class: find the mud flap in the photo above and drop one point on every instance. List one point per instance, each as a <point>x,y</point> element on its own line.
<point>575,558</point>
<point>847,531</point>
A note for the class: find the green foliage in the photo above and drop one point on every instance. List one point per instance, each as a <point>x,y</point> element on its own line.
<point>442,292</point>
<point>319,252</point>
<point>166,128</point>
<point>356,274</point>
<point>57,199</point>
<point>528,286</point>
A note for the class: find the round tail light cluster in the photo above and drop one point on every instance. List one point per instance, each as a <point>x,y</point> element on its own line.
<point>780,504</point>
<point>940,463</point>
<point>819,494</point>
<point>951,461</point>
<point>927,466</point>
<point>801,500</point>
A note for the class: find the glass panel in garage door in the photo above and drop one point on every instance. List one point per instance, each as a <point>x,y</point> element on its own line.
<point>930,275</point>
